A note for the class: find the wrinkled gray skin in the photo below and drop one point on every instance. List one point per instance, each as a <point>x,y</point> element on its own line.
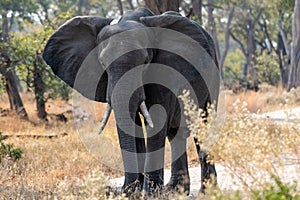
<point>69,46</point>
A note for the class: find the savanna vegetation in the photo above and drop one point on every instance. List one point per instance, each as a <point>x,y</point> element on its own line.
<point>257,42</point>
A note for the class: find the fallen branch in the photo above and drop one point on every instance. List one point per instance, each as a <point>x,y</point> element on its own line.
<point>35,136</point>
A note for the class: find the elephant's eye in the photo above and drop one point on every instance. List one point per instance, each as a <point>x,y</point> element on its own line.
<point>103,65</point>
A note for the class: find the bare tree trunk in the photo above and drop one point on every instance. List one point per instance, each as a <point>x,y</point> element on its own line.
<point>15,100</point>
<point>245,52</point>
<point>87,7</point>
<point>161,6</point>
<point>120,6</point>
<point>212,29</point>
<point>84,7</point>
<point>227,40</point>
<point>294,73</point>
<point>249,50</point>
<point>39,89</point>
<point>197,9</point>
<point>18,83</point>
<point>14,96</point>
<point>138,3</point>
<point>283,61</point>
<point>130,4</point>
<point>80,6</point>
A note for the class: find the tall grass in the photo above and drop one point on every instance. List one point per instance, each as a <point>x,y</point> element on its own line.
<point>251,151</point>
<point>255,152</point>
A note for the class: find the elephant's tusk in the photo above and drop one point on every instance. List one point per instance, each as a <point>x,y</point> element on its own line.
<point>146,114</point>
<point>105,118</point>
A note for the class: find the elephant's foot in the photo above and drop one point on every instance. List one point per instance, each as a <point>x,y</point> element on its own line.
<point>132,188</point>
<point>153,183</point>
<point>132,191</point>
<point>208,174</point>
<point>153,189</point>
<point>211,182</point>
<point>179,184</point>
<point>133,185</point>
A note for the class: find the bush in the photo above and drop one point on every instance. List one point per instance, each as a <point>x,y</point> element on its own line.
<point>233,69</point>
<point>8,150</point>
<point>268,68</point>
<point>279,191</point>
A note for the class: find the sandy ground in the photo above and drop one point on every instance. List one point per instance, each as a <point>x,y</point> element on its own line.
<point>287,115</point>
<point>226,181</point>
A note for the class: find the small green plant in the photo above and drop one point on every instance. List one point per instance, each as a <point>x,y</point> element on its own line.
<point>277,191</point>
<point>268,70</point>
<point>8,150</point>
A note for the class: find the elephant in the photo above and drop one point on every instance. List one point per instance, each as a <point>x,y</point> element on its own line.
<point>142,61</point>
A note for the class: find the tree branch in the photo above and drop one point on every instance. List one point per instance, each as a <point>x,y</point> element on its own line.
<point>120,6</point>
<point>265,27</point>
<point>227,39</point>
<point>138,3</point>
<point>211,5</point>
<point>257,17</point>
<point>11,21</point>
<point>130,4</point>
<point>284,39</point>
<point>240,43</point>
<point>197,9</point>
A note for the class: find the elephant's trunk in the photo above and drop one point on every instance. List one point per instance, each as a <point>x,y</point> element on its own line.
<point>125,94</point>
<point>130,134</point>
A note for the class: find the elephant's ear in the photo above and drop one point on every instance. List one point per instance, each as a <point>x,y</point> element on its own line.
<point>173,20</point>
<point>67,49</point>
<point>198,68</point>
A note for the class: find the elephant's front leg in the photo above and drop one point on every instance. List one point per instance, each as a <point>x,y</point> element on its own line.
<point>133,154</point>
<point>208,170</point>
<point>180,180</point>
<point>154,164</point>
<point>156,138</point>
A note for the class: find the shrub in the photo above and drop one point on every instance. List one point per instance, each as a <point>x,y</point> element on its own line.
<point>8,150</point>
<point>279,191</point>
<point>268,69</point>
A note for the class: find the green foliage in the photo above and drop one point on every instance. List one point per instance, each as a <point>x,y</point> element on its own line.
<point>26,51</point>
<point>2,84</point>
<point>8,150</point>
<point>233,68</point>
<point>279,191</point>
<point>18,11</point>
<point>268,68</point>
<point>286,5</point>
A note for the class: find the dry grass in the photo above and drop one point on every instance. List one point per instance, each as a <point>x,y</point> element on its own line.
<point>63,168</point>
<point>251,149</point>
<point>268,98</point>
<point>49,168</point>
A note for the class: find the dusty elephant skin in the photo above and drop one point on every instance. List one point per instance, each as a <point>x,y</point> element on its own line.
<point>143,61</point>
